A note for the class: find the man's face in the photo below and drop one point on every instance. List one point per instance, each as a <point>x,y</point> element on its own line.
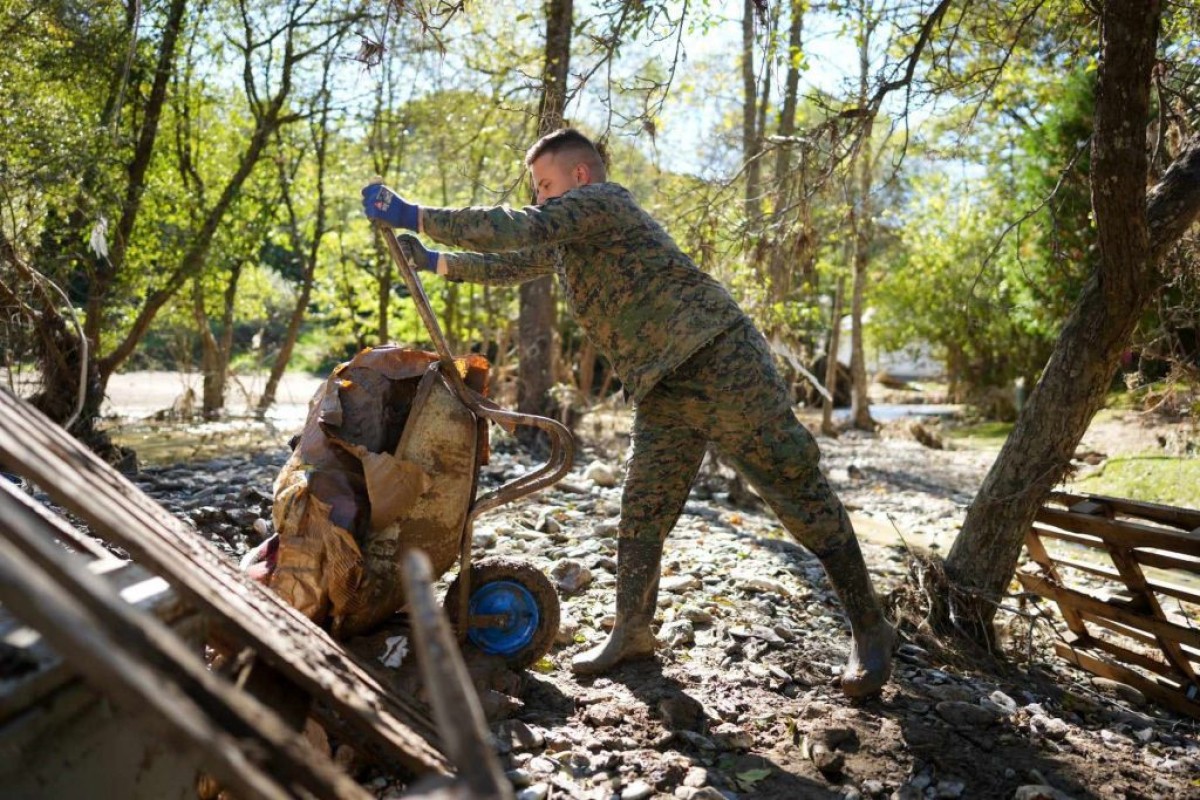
<point>556,173</point>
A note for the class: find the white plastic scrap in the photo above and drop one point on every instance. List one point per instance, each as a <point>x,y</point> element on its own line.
<point>99,238</point>
<point>395,648</point>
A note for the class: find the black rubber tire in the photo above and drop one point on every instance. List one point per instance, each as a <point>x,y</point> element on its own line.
<point>535,582</point>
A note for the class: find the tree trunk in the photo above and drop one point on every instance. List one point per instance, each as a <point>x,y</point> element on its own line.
<point>1133,235</point>
<point>65,383</point>
<point>860,408</point>
<point>751,144</point>
<point>537,318</point>
<point>831,362</point>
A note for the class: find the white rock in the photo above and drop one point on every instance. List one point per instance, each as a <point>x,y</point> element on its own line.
<point>567,628</point>
<point>760,584</point>
<point>679,583</point>
<point>600,474</point>
<point>638,790</point>
<point>536,792</point>
<point>695,614</point>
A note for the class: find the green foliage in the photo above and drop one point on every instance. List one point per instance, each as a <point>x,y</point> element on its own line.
<point>954,289</point>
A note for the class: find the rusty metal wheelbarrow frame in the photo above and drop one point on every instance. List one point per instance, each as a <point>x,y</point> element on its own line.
<point>562,443</point>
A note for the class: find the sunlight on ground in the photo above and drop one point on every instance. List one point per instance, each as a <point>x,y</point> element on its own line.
<point>980,436</point>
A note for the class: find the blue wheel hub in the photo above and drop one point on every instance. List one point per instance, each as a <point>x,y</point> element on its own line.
<point>515,605</point>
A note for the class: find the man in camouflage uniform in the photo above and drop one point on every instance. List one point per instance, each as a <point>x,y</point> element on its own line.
<point>698,371</point>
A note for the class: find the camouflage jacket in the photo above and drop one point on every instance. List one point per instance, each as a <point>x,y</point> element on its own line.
<point>641,301</point>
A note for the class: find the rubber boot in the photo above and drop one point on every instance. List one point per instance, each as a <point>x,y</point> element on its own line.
<point>637,595</point>
<point>870,663</point>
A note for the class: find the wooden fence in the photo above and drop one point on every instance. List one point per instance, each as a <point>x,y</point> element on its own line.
<point>1142,627</point>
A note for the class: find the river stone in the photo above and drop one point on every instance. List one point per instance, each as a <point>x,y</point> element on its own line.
<point>728,736</point>
<point>679,583</point>
<point>571,575</point>
<point>696,777</point>
<point>1039,792</point>
<point>964,715</point>
<point>677,633</point>
<point>706,793</point>
<point>1124,691</point>
<point>600,474</point>
<point>520,736</point>
<point>695,614</point>
<point>999,701</point>
<point>638,790</point>
<point>519,778</point>
<point>1052,727</point>
<point>567,628</point>
<point>536,792</point>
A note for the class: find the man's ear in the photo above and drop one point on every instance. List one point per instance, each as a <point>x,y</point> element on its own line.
<point>583,173</point>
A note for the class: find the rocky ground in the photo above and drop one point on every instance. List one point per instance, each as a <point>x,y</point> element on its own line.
<point>741,700</point>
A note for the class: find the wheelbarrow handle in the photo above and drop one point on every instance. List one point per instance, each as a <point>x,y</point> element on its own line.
<point>562,443</point>
<point>421,300</point>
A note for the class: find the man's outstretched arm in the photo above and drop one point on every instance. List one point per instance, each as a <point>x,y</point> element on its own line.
<point>579,214</point>
<point>496,269</point>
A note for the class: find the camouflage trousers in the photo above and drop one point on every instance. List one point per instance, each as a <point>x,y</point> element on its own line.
<point>729,395</point>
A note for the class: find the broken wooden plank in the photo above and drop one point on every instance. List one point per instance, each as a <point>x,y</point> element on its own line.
<point>1186,519</point>
<point>389,729</point>
<point>97,614</point>
<point>1128,656</point>
<point>1082,602</point>
<point>1150,558</point>
<point>1161,587</point>
<point>1124,534</point>
<point>127,681</point>
<point>1173,698</point>
<point>1135,579</point>
<point>455,704</point>
<point>1039,555</point>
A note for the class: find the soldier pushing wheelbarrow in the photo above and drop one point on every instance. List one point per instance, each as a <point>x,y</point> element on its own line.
<point>698,371</point>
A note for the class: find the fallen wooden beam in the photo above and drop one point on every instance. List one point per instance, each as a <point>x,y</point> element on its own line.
<point>393,731</point>
<point>89,625</point>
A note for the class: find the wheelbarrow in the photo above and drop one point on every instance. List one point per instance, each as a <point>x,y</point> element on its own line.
<point>504,607</point>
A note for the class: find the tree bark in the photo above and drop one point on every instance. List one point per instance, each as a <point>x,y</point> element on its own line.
<point>536,367</point>
<point>831,362</point>
<point>1134,231</point>
<point>751,142</point>
<point>860,407</point>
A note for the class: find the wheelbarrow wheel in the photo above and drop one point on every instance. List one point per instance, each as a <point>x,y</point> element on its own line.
<point>516,606</point>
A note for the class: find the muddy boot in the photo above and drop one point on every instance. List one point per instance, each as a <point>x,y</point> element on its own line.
<point>637,593</point>
<point>870,662</point>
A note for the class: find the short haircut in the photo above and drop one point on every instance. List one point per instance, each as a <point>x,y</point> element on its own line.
<point>573,143</point>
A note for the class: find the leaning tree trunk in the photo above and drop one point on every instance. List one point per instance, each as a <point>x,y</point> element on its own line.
<point>1134,234</point>
<point>536,320</point>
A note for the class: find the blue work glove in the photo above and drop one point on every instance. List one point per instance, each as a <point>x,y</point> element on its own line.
<point>381,203</point>
<point>418,254</point>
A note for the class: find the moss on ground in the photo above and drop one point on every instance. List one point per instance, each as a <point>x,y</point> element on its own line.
<point>1150,478</point>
